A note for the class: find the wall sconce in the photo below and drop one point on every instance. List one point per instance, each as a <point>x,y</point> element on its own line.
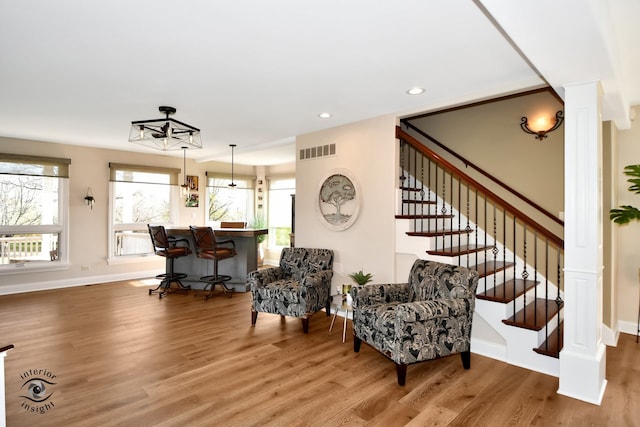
<point>89,199</point>
<point>541,134</point>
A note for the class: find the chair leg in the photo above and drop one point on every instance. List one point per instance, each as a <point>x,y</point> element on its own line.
<point>466,359</point>
<point>328,306</point>
<point>254,317</point>
<point>356,344</point>
<point>305,325</point>
<point>401,370</point>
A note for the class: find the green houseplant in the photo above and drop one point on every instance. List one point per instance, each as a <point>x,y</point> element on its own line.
<point>259,223</point>
<point>361,278</point>
<point>626,213</point>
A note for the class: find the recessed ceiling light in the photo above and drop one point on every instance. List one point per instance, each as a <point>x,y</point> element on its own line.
<point>324,115</point>
<point>415,91</point>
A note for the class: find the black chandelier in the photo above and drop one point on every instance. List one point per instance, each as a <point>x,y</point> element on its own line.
<point>165,134</point>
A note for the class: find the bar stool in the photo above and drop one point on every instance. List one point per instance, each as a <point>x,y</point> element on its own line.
<point>207,247</point>
<point>167,247</point>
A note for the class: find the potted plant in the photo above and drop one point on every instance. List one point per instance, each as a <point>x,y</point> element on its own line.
<point>626,213</point>
<point>259,223</point>
<point>361,278</point>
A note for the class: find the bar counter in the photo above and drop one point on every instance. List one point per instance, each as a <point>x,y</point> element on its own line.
<point>246,260</point>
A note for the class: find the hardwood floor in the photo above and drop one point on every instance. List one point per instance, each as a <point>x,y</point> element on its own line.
<point>123,358</point>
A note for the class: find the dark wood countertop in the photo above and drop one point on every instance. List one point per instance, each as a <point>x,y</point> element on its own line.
<point>222,232</point>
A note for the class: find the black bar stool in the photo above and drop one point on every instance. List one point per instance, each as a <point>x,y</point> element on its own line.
<point>168,248</point>
<point>207,247</point>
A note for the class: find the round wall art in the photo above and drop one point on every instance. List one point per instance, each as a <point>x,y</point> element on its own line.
<point>338,200</point>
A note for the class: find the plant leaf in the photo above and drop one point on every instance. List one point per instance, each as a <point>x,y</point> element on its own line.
<point>624,214</point>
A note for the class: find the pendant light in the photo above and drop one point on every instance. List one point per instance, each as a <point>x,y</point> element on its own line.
<point>233,184</point>
<point>184,188</point>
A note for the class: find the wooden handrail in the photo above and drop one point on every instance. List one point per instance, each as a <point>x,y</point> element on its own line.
<point>453,170</point>
<point>483,172</point>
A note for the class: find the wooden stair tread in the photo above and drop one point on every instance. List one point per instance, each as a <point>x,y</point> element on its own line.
<point>508,291</point>
<point>436,233</point>
<point>418,202</point>
<point>527,319</point>
<point>425,216</point>
<point>459,250</point>
<point>491,267</point>
<point>553,344</point>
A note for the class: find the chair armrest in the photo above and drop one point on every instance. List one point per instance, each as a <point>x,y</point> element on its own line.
<point>372,294</point>
<point>226,242</point>
<point>421,311</point>
<point>318,278</point>
<point>174,241</point>
<point>259,278</point>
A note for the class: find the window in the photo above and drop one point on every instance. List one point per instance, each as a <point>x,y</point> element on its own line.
<point>33,212</point>
<point>280,191</point>
<point>226,203</point>
<point>140,195</point>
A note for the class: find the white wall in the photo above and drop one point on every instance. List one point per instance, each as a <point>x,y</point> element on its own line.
<point>367,150</point>
<point>628,236</point>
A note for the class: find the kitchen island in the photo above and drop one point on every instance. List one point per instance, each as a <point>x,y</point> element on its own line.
<point>246,260</point>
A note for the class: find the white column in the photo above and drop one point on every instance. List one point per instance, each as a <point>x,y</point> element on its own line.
<point>583,357</point>
<point>3,418</point>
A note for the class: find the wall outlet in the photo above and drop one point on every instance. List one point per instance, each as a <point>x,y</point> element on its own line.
<point>85,268</point>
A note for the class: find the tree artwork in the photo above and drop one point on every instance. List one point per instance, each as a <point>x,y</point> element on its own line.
<point>336,191</point>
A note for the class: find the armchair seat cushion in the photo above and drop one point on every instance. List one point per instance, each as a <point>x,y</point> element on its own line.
<point>282,296</point>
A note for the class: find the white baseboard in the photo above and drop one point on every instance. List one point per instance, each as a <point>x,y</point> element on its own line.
<point>630,328</point>
<point>78,281</point>
<point>489,349</point>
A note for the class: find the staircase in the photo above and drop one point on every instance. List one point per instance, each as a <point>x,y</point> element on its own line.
<point>444,215</point>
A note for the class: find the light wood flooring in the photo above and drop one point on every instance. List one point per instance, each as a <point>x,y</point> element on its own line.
<point>124,358</point>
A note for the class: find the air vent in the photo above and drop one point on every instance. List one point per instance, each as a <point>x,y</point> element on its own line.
<point>319,151</point>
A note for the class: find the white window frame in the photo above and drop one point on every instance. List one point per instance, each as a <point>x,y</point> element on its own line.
<point>271,181</point>
<point>62,228</point>
<point>243,182</point>
<point>174,200</point>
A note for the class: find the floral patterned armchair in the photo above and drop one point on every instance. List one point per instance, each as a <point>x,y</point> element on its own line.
<point>298,287</point>
<point>426,318</point>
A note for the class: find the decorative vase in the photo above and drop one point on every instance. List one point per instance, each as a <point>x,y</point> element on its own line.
<point>260,254</point>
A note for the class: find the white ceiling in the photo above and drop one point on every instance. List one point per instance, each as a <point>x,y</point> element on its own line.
<point>258,73</point>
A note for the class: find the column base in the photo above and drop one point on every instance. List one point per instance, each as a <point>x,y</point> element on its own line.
<point>582,376</point>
